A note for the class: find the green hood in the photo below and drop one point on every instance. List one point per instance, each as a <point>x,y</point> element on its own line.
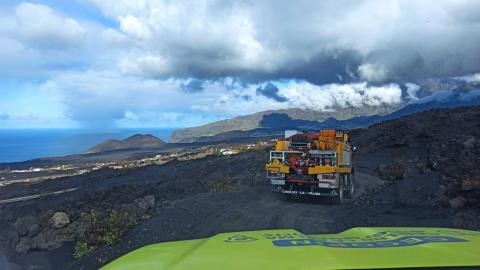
<point>358,248</point>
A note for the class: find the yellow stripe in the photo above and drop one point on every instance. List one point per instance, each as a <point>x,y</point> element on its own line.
<point>277,167</point>
<point>328,169</point>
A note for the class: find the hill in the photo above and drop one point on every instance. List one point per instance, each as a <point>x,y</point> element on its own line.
<point>137,141</point>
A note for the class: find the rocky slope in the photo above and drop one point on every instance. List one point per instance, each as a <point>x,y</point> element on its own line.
<point>446,141</point>
<point>137,141</point>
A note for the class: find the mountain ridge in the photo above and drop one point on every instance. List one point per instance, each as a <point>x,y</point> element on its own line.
<point>254,121</point>
<point>274,124</point>
<point>430,95</point>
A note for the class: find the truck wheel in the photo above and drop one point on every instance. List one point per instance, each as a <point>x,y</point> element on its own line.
<point>340,193</point>
<point>351,185</point>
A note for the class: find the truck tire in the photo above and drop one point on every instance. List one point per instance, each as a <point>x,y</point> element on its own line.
<point>340,193</point>
<point>351,185</point>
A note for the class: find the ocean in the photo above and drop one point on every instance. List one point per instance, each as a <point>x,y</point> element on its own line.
<point>25,144</point>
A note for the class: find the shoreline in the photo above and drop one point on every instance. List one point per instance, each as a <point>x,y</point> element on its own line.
<point>17,145</point>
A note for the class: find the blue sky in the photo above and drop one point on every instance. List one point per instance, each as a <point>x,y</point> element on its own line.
<point>155,63</point>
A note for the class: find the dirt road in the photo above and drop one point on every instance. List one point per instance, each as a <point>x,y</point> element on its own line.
<point>36,196</point>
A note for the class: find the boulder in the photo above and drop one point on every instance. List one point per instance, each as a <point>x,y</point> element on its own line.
<point>59,220</point>
<point>24,245</point>
<point>458,203</point>
<point>33,230</point>
<point>8,237</point>
<point>469,219</point>
<point>50,239</point>
<point>129,209</point>
<point>86,216</point>
<point>146,203</point>
<point>394,171</point>
<point>22,224</point>
<point>77,228</point>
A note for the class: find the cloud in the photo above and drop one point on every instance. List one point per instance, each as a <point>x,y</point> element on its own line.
<point>40,26</point>
<point>37,40</point>
<point>188,62</point>
<point>372,72</point>
<point>4,116</point>
<point>407,40</point>
<point>270,90</point>
<point>327,97</point>
<point>247,97</point>
<point>99,98</point>
<point>440,96</point>
<point>131,25</point>
<point>131,116</point>
<point>27,117</point>
<point>471,78</point>
<point>412,90</point>
<point>103,98</point>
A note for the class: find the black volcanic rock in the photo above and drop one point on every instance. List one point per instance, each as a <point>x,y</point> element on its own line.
<point>137,141</point>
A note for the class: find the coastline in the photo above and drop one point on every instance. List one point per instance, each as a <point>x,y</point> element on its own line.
<point>22,145</point>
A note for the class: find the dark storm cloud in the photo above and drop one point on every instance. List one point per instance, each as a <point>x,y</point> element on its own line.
<point>270,90</point>
<point>318,41</point>
<point>326,67</point>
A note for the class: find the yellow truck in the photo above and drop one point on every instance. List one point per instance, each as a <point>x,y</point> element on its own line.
<point>316,164</point>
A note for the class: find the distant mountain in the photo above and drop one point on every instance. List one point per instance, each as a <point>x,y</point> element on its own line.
<point>274,122</point>
<point>407,110</point>
<point>137,141</point>
<point>266,119</point>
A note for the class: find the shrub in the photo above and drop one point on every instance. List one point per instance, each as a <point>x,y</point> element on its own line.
<point>103,232</point>
<point>221,185</point>
<point>81,249</point>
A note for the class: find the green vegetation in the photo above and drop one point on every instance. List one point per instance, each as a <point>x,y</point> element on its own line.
<point>221,185</point>
<point>103,232</point>
<point>81,249</point>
